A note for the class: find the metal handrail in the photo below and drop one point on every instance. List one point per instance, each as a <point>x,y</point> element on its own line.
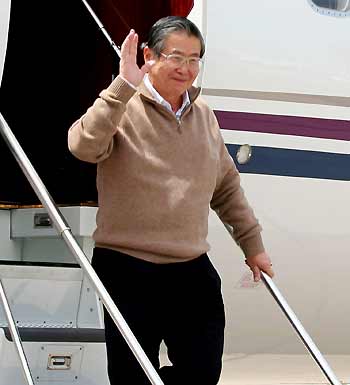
<point>304,336</point>
<point>65,231</point>
<point>102,28</point>
<point>15,336</point>
<point>298,327</point>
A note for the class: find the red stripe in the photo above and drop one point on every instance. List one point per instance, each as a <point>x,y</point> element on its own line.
<point>284,125</point>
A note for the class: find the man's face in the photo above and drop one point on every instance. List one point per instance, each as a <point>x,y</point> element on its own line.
<point>169,78</point>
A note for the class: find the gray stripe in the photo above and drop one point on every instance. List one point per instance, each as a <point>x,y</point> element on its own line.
<point>326,100</point>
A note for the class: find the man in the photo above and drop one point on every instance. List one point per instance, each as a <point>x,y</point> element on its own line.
<point>161,163</point>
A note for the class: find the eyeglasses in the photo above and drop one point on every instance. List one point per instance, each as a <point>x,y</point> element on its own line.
<point>177,60</point>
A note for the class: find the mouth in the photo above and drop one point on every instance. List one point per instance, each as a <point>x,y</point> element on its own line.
<point>180,80</point>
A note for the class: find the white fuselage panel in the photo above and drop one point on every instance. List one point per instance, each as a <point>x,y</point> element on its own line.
<point>276,46</point>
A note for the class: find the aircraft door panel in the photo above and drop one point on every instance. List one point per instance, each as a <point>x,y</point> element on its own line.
<point>4,23</point>
<point>56,64</point>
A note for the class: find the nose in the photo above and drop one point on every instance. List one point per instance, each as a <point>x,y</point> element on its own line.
<point>186,63</point>
<point>185,68</point>
<point>182,69</point>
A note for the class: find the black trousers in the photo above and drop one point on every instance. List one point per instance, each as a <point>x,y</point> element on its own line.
<point>180,303</point>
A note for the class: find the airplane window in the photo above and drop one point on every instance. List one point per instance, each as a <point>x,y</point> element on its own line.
<point>331,4</point>
<point>340,7</point>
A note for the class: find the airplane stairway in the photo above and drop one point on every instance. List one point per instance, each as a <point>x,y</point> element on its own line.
<point>56,311</point>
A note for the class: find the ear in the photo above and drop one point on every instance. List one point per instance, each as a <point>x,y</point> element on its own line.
<point>148,54</point>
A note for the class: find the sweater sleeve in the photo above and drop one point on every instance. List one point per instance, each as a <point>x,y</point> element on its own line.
<point>91,138</point>
<point>232,207</point>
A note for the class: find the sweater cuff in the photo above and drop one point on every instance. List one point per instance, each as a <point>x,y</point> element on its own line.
<point>252,246</point>
<point>121,89</point>
<point>130,84</point>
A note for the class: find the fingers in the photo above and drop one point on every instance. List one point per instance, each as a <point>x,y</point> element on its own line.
<point>125,48</point>
<point>133,44</point>
<point>266,267</point>
<point>258,263</point>
<point>269,271</point>
<point>255,270</point>
<point>129,46</point>
<point>256,273</point>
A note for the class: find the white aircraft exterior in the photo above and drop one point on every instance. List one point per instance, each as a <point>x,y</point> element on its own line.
<point>277,74</point>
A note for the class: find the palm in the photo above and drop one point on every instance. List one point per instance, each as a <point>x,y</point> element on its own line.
<point>129,69</point>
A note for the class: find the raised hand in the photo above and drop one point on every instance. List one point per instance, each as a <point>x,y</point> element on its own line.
<point>129,69</point>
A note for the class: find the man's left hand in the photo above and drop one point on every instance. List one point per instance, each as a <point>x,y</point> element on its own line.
<point>260,262</point>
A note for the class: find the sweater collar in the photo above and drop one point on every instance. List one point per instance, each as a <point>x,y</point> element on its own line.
<point>159,98</point>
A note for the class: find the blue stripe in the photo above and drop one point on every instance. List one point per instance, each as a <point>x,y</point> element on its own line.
<point>296,163</point>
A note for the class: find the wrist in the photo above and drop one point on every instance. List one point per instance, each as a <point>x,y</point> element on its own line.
<point>128,81</point>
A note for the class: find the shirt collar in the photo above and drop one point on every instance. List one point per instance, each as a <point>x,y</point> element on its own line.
<point>163,102</point>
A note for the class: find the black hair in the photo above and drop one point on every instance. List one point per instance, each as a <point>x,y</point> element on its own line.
<point>170,24</point>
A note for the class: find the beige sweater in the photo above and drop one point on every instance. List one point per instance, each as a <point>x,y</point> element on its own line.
<point>157,176</point>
